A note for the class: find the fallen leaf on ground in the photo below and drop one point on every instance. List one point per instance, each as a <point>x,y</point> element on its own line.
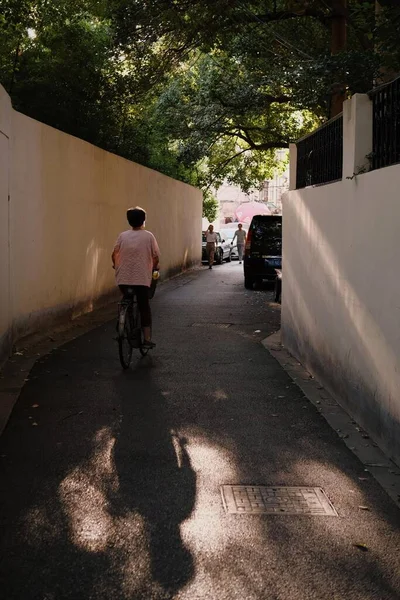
<point>34,424</point>
<point>35,405</point>
<point>362,547</point>
<point>363,478</point>
<point>363,507</point>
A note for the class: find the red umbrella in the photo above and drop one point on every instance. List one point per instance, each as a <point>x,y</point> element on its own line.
<point>245,212</point>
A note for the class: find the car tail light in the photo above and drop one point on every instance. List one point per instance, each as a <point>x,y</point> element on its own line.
<point>248,243</point>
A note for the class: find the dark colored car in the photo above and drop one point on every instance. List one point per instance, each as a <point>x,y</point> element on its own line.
<point>263,250</point>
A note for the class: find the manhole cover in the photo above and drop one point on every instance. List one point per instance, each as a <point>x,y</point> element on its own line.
<point>256,499</point>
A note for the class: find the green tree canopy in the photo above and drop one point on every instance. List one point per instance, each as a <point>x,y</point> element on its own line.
<point>202,90</point>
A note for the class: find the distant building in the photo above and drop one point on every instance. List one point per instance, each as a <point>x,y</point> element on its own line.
<point>230,197</point>
<point>272,191</point>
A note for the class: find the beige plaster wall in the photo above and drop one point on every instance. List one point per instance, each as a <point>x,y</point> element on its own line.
<point>341,294</point>
<point>68,204</point>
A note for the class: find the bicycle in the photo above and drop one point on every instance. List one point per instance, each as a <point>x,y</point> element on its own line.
<point>130,333</point>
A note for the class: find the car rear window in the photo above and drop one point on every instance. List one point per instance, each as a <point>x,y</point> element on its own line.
<point>267,235</point>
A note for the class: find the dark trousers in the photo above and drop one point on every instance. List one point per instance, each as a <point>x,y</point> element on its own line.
<point>142,293</point>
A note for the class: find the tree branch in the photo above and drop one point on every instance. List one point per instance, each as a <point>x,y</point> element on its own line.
<point>254,145</point>
<point>284,15</point>
<point>226,162</point>
<point>269,98</point>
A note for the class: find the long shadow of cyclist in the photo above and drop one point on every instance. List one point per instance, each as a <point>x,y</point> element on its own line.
<point>155,477</point>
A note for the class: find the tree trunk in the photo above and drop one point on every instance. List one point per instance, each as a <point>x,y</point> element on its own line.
<point>385,74</point>
<point>338,44</point>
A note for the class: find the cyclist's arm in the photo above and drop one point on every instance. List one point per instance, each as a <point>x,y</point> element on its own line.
<point>156,254</point>
<point>114,255</point>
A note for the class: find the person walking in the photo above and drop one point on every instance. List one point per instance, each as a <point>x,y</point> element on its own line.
<point>240,235</point>
<point>211,239</point>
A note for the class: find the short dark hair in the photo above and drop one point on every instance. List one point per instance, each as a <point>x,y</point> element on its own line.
<point>136,216</point>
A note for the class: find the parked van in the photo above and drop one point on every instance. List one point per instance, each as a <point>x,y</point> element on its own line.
<point>263,250</point>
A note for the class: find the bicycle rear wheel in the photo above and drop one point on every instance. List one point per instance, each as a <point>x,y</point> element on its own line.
<point>124,336</point>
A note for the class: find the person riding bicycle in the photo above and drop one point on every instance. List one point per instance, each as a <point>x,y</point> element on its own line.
<point>135,256</point>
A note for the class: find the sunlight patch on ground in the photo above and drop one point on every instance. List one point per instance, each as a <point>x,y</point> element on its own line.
<point>220,395</point>
<point>344,493</point>
<point>206,529</point>
<point>83,495</point>
<point>214,465</point>
<point>86,495</point>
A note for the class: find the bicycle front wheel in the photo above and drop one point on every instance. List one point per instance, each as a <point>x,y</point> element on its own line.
<point>124,337</point>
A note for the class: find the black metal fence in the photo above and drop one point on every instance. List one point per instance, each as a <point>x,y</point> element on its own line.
<point>386,128</point>
<point>320,155</point>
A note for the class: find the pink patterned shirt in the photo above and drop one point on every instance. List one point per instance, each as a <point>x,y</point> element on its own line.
<point>133,254</point>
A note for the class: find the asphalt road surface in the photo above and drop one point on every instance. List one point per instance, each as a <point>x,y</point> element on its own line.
<point>110,480</point>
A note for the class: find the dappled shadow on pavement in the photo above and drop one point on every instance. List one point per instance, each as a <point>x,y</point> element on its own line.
<point>92,506</point>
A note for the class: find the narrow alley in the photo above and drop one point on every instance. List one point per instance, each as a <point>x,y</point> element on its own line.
<point>111,480</point>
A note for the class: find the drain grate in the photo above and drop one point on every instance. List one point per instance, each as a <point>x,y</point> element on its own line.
<point>219,325</point>
<point>279,500</point>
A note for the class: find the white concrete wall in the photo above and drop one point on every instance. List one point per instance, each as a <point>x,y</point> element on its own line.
<point>341,294</point>
<point>68,201</point>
